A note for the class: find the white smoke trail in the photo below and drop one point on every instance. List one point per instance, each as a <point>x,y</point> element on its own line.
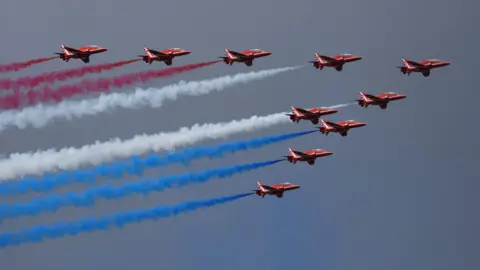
<point>40,115</point>
<point>341,105</point>
<point>21,164</point>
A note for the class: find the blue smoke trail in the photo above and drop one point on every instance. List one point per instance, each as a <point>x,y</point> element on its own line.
<point>136,165</point>
<point>61,229</point>
<point>88,197</point>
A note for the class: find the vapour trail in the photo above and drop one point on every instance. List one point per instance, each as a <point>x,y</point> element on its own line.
<point>90,196</point>
<point>47,94</point>
<point>21,65</point>
<point>119,219</point>
<point>30,163</point>
<point>136,165</point>
<point>54,76</point>
<point>40,115</point>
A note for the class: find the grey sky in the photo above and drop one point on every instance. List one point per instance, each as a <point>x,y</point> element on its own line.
<point>398,194</point>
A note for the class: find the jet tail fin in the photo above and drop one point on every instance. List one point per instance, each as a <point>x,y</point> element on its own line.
<point>324,123</point>
<point>228,54</point>
<point>363,96</point>
<point>292,152</point>
<point>260,186</point>
<point>320,58</point>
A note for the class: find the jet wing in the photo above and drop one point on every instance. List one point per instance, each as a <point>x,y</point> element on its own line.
<point>75,51</point>
<point>329,59</point>
<point>157,53</point>
<point>237,54</point>
<point>413,63</point>
<point>86,59</point>
<point>303,111</point>
<point>304,155</point>
<point>372,97</point>
<point>269,188</point>
<point>334,125</point>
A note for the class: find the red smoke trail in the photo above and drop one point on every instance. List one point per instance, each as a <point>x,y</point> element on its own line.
<point>47,94</point>
<point>32,81</point>
<point>18,66</point>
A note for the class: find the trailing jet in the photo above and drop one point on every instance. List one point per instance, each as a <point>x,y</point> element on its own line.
<point>423,67</point>
<point>276,190</point>
<point>311,114</point>
<point>381,100</point>
<point>165,56</point>
<point>309,156</point>
<point>82,53</point>
<point>341,127</point>
<point>336,61</point>
<point>245,57</point>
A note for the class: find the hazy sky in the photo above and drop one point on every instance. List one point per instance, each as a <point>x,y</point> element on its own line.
<point>401,193</point>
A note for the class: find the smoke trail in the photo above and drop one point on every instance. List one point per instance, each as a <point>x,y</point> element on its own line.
<point>50,77</point>
<point>40,115</point>
<point>47,94</point>
<point>61,228</point>
<point>22,65</point>
<point>89,197</point>
<point>137,165</point>
<point>342,105</point>
<point>21,164</point>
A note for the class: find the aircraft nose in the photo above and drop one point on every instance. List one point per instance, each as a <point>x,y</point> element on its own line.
<point>186,52</point>
<point>402,96</point>
<point>361,124</point>
<point>327,153</point>
<point>268,53</point>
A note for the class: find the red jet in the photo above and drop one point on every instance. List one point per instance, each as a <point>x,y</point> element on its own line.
<point>311,114</point>
<point>82,53</point>
<point>309,156</point>
<point>381,100</point>
<point>276,190</point>
<point>336,61</point>
<point>246,57</point>
<point>341,127</point>
<point>165,56</point>
<point>423,67</point>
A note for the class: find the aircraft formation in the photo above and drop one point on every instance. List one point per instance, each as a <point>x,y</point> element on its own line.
<point>247,57</point>
<point>36,163</point>
<point>315,115</point>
